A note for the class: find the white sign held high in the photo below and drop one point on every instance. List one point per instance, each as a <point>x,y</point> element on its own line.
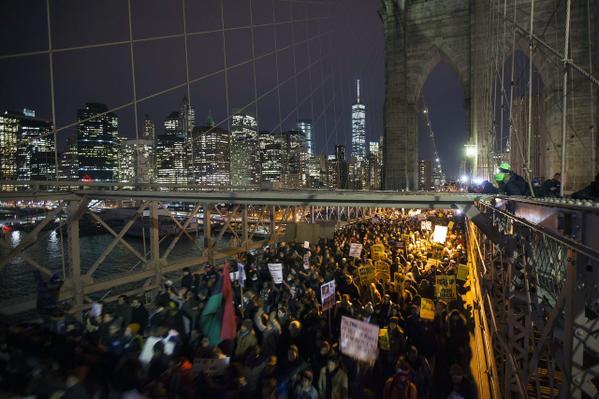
<point>359,340</point>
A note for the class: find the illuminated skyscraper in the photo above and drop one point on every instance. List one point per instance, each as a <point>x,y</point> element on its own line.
<point>337,169</point>
<point>9,130</point>
<point>306,127</point>
<point>69,162</point>
<point>374,165</point>
<point>97,143</point>
<point>149,128</point>
<point>26,147</point>
<point>212,156</point>
<point>425,175</point>
<point>271,159</point>
<point>171,152</point>
<point>245,152</point>
<point>294,159</point>
<point>126,167</point>
<point>358,138</point>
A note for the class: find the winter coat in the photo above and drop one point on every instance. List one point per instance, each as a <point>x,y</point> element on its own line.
<point>340,384</point>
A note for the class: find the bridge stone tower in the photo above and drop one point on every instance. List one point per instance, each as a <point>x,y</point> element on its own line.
<point>421,33</point>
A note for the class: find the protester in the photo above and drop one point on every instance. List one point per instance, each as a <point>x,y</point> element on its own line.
<point>551,187</point>
<point>511,183</point>
<point>209,339</point>
<point>590,192</point>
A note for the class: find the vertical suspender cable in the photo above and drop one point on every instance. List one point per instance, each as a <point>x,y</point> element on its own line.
<point>225,67</point>
<point>190,178</point>
<point>530,70</point>
<point>274,20</point>
<point>592,89</point>
<point>501,55</point>
<point>53,103</point>
<point>52,92</point>
<point>134,87</point>
<point>512,83</point>
<point>252,32</point>
<point>565,94</point>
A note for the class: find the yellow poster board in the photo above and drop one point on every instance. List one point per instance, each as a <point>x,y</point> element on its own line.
<point>366,274</point>
<point>463,271</point>
<point>450,225</point>
<point>427,309</point>
<point>382,270</point>
<point>378,251</point>
<point>384,339</point>
<point>445,287</point>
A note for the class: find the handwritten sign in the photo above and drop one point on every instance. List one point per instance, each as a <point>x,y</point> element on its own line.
<point>306,244</point>
<point>359,340</point>
<point>366,274</point>
<point>355,250</point>
<point>378,251</point>
<point>426,225</point>
<point>440,234</point>
<point>432,263</point>
<point>463,271</point>
<point>276,272</point>
<point>445,287</point>
<point>427,309</point>
<point>382,270</point>
<point>327,295</point>
<point>307,260</point>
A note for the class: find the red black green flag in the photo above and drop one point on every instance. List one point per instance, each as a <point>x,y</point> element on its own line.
<point>218,317</point>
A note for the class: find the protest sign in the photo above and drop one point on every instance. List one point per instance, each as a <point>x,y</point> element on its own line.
<point>359,340</point>
<point>382,270</point>
<point>427,309</point>
<point>463,271</point>
<point>384,339</point>
<point>327,295</point>
<point>440,234</point>
<point>432,263</point>
<point>306,244</point>
<point>276,272</point>
<point>445,287</point>
<point>450,225</point>
<point>355,250</point>
<point>426,225</point>
<point>378,251</point>
<point>210,367</point>
<point>307,260</point>
<point>366,274</point>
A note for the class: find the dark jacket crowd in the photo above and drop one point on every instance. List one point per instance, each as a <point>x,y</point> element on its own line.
<point>286,346</point>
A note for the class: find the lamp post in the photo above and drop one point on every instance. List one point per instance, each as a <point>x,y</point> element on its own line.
<point>470,152</point>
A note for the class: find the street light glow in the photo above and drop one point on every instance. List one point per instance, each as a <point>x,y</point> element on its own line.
<point>464,179</point>
<point>471,150</point>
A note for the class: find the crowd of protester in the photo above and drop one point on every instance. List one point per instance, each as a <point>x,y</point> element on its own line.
<point>286,346</point>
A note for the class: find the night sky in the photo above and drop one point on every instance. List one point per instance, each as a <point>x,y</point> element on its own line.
<point>314,49</point>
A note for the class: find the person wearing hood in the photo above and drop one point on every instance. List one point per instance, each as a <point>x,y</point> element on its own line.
<point>246,339</point>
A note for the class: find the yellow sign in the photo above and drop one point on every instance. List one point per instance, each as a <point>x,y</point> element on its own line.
<point>382,270</point>
<point>463,271</point>
<point>378,251</point>
<point>427,309</point>
<point>445,287</point>
<point>398,280</point>
<point>432,263</point>
<point>366,274</point>
<point>384,339</point>
<point>450,225</point>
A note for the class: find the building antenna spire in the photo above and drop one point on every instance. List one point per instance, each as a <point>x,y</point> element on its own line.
<point>358,90</point>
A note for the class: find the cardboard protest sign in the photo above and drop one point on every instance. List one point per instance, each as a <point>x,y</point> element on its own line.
<point>359,340</point>
<point>366,274</point>
<point>307,260</point>
<point>384,339</point>
<point>445,287</point>
<point>306,244</point>
<point>426,225</point>
<point>433,263</point>
<point>440,234</point>
<point>327,295</point>
<point>463,271</point>
<point>355,250</point>
<point>276,272</point>
<point>378,251</point>
<point>382,270</point>
<point>427,309</point>
<point>450,225</point>
<point>210,367</point>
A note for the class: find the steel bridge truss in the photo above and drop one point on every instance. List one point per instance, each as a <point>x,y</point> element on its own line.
<point>538,294</point>
<point>248,221</point>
